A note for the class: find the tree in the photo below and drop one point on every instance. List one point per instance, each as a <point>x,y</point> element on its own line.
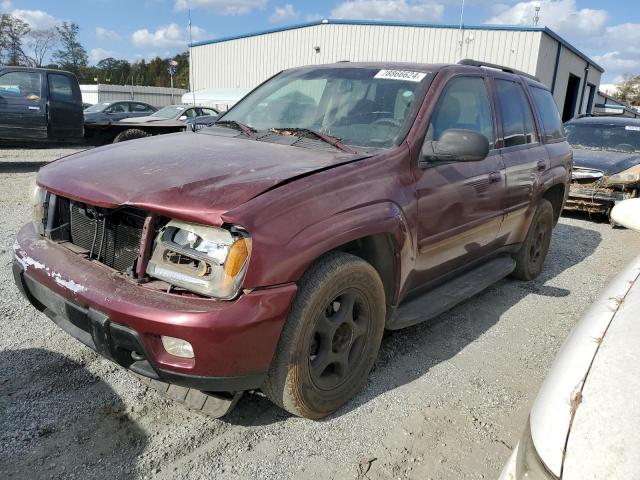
<point>12,34</point>
<point>40,42</point>
<point>71,56</point>
<point>629,89</point>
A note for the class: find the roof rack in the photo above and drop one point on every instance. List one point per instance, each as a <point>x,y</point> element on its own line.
<point>477,63</point>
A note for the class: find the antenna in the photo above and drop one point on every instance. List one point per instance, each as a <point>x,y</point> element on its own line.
<point>193,91</point>
<point>536,16</point>
<point>461,27</point>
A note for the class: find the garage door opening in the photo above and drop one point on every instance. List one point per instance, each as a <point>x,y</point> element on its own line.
<point>571,98</point>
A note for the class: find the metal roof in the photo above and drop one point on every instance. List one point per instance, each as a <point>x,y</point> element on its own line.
<point>606,120</point>
<point>516,28</point>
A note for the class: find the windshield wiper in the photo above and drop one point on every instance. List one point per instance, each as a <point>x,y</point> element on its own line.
<point>333,141</point>
<point>246,129</point>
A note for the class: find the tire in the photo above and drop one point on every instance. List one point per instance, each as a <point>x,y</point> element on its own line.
<point>330,339</point>
<point>130,134</point>
<point>214,405</point>
<point>531,256</point>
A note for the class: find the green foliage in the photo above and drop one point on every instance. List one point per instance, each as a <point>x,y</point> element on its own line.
<point>19,45</point>
<point>629,89</point>
<point>71,56</point>
<point>12,36</point>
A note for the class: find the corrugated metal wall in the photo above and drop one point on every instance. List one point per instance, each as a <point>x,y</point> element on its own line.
<point>245,62</point>
<point>156,96</point>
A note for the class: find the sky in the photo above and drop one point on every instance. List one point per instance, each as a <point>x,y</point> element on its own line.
<point>607,31</point>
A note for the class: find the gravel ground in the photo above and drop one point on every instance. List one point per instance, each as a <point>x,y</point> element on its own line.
<point>446,400</point>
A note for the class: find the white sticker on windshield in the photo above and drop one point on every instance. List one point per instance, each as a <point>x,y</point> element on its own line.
<point>400,75</point>
<point>631,127</point>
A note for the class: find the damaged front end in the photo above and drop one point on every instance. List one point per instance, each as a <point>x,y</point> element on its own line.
<point>594,192</point>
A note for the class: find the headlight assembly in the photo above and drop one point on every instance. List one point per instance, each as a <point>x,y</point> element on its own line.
<point>630,175</point>
<point>211,261</point>
<point>38,206</point>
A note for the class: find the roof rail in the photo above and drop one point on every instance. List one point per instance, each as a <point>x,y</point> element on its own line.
<point>478,63</point>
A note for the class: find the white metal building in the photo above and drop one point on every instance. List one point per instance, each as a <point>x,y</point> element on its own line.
<point>244,61</point>
<point>156,96</point>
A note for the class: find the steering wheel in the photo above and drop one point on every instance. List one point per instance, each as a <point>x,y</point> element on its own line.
<point>388,121</point>
<point>625,146</point>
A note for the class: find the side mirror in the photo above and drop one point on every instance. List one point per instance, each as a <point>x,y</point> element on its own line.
<point>183,117</point>
<point>455,145</point>
<point>627,214</point>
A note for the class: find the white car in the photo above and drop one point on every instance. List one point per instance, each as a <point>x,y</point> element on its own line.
<point>585,422</point>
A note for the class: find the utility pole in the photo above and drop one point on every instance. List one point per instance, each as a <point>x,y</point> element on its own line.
<point>536,16</point>
<point>172,71</point>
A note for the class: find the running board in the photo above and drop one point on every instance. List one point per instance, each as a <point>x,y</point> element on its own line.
<point>448,295</point>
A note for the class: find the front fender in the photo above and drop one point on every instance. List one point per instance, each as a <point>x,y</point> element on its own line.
<point>293,258</point>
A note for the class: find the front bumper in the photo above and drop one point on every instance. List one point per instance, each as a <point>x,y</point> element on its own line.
<point>593,199</point>
<point>233,341</point>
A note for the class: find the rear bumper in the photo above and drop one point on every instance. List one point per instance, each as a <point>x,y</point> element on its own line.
<point>233,341</point>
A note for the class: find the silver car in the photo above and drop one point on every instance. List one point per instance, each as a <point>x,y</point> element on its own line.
<point>585,422</point>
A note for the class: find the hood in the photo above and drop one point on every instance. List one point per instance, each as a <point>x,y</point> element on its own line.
<point>605,434</point>
<point>145,119</point>
<point>190,176</point>
<point>563,393</point>
<point>605,161</point>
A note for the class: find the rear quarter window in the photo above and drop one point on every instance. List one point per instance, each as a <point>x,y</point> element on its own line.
<point>546,106</point>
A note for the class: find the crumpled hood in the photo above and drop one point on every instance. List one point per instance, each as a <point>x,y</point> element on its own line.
<point>191,176</point>
<point>605,161</point>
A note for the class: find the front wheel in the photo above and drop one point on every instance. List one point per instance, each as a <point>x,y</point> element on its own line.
<point>531,256</point>
<point>331,338</point>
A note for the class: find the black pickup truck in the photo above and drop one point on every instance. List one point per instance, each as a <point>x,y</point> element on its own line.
<point>39,104</point>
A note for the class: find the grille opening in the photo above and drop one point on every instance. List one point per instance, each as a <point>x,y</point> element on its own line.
<point>110,236</point>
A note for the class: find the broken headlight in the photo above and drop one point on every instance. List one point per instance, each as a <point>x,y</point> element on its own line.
<point>211,261</point>
<point>630,175</point>
<point>38,206</point>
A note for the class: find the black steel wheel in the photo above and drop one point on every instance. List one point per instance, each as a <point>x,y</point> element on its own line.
<point>331,337</point>
<point>530,259</point>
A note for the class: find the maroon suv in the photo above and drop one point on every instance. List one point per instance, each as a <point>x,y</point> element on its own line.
<point>271,250</point>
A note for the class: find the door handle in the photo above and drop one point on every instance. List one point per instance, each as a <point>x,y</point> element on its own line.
<point>495,177</point>
<point>542,165</point>
<point>34,108</point>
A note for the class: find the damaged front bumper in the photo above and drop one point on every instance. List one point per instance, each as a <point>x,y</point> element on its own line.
<point>594,198</point>
<point>233,341</point>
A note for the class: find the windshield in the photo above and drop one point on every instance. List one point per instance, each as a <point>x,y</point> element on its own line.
<point>366,107</point>
<point>618,138</point>
<point>171,111</point>
<point>98,107</point>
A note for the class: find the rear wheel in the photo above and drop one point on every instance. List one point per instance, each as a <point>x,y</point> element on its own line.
<point>331,338</point>
<point>130,134</point>
<point>530,259</point>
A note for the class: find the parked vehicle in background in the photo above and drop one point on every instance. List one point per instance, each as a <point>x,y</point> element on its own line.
<point>99,118</point>
<point>106,112</point>
<point>181,113</point>
<point>201,122</point>
<point>270,250</point>
<point>606,153</point>
<point>170,119</point>
<point>39,105</point>
<point>585,420</point>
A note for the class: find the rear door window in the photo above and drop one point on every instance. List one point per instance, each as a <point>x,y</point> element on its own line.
<point>139,107</point>
<point>549,114</point>
<point>24,85</point>
<point>463,105</point>
<point>517,118</point>
<point>60,88</point>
